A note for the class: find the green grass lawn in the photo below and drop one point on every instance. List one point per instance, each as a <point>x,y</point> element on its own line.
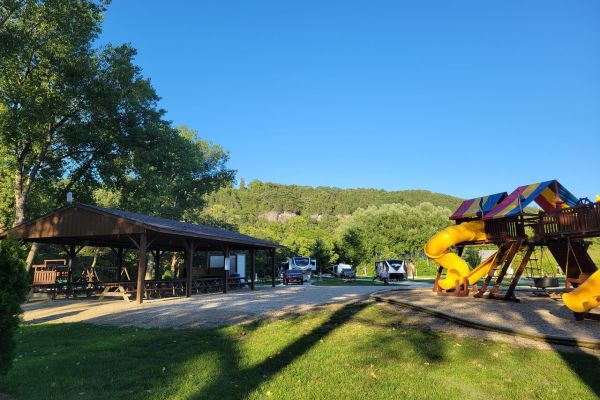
<point>354,352</point>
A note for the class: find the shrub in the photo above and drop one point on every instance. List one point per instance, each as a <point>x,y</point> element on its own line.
<point>425,267</point>
<point>13,292</point>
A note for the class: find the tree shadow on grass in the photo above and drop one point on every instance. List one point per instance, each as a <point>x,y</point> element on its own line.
<point>254,376</point>
<point>426,343</point>
<point>586,366</point>
<point>56,361</point>
<point>143,363</point>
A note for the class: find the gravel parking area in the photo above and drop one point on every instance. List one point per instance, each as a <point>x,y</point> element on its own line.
<point>534,315</point>
<point>199,311</point>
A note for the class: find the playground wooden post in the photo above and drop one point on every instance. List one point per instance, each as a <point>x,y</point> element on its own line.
<point>517,246</point>
<point>511,290</point>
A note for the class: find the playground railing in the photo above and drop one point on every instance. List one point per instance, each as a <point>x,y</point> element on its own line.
<point>506,229</point>
<point>578,221</point>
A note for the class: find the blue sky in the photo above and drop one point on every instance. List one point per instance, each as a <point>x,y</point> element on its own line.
<point>460,97</point>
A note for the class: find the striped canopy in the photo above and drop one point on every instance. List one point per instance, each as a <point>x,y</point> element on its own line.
<point>545,194</point>
<point>478,206</point>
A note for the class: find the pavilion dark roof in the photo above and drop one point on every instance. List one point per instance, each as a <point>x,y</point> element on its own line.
<point>178,227</point>
<point>157,224</point>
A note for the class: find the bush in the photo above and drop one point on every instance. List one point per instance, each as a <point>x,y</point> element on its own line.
<point>425,267</point>
<point>13,292</point>
<point>472,257</point>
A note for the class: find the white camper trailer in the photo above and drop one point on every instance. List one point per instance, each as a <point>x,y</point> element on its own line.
<point>303,264</point>
<point>338,268</point>
<point>396,269</point>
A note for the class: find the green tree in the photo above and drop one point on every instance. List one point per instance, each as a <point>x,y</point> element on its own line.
<point>13,291</point>
<point>389,231</point>
<point>172,179</point>
<point>74,116</point>
<point>82,118</point>
<point>323,253</point>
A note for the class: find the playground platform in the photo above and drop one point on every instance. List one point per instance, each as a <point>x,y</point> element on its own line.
<point>534,317</point>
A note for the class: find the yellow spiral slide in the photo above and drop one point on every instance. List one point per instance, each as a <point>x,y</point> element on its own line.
<point>586,296</point>
<point>456,268</point>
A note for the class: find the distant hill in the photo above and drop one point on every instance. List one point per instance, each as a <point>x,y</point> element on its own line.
<point>265,198</point>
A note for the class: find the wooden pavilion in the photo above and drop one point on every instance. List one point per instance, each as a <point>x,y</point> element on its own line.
<point>78,225</point>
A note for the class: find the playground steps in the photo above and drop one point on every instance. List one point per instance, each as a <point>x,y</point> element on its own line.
<point>506,253</point>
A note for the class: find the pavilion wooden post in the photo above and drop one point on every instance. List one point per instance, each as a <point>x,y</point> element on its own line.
<point>72,253</point>
<point>141,275</point>
<point>190,249</point>
<point>252,268</point>
<point>207,260</point>
<point>272,251</point>
<point>119,254</point>
<point>226,266</point>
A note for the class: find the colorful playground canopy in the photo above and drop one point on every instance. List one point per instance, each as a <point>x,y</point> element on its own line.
<point>500,205</point>
<point>545,194</point>
<point>478,206</point>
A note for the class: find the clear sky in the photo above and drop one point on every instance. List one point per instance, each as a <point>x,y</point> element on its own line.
<point>460,97</point>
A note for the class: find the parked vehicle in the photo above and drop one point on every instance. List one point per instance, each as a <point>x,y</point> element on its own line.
<point>396,269</point>
<point>299,263</point>
<point>292,276</point>
<point>338,268</point>
<point>348,274</point>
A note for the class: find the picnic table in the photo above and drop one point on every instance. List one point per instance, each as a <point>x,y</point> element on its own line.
<point>56,277</point>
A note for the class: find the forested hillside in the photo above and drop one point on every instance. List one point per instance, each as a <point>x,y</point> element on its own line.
<point>332,224</point>
<point>263,197</point>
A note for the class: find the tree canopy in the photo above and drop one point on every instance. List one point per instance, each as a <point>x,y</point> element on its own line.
<point>75,116</point>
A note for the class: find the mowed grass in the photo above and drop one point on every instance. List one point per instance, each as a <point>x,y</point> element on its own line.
<point>353,352</point>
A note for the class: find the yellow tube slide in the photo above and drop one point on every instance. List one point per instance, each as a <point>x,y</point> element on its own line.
<point>586,296</point>
<point>457,268</point>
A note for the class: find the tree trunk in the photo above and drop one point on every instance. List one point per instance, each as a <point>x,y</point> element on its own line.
<point>32,252</point>
<point>150,266</point>
<point>20,199</point>
<point>174,265</point>
<point>95,259</point>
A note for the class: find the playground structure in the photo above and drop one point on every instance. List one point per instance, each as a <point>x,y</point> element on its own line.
<point>562,225</point>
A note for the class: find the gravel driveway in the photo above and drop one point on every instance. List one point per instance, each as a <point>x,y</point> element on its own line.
<point>200,311</point>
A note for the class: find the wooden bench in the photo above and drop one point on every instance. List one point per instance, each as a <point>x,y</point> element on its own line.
<point>172,287</point>
<point>207,284</point>
<point>157,288</point>
<point>237,282</point>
